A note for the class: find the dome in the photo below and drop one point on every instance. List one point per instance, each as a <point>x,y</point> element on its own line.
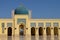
<point>21,10</point>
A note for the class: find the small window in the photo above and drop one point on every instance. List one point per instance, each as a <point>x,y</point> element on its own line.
<point>9,24</point>
<point>33,24</point>
<point>56,24</point>
<point>40,24</point>
<point>3,27</point>
<point>48,24</point>
<point>3,24</point>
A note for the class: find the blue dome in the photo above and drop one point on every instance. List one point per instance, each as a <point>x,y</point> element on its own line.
<point>21,10</point>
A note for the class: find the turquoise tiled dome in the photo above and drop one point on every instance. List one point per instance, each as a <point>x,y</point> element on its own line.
<point>21,10</point>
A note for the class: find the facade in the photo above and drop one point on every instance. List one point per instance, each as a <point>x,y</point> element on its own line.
<point>21,23</point>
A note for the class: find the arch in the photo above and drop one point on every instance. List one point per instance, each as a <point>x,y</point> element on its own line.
<point>55,30</point>
<point>40,31</point>
<point>21,29</point>
<point>33,31</point>
<point>48,31</point>
<point>9,31</point>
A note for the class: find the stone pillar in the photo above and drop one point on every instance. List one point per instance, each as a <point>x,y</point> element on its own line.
<point>59,31</point>
<point>17,30</point>
<point>37,32</point>
<point>0,30</point>
<point>28,32</point>
<point>52,32</point>
<point>28,35</point>
<point>13,28</point>
<point>6,30</point>
<point>44,32</point>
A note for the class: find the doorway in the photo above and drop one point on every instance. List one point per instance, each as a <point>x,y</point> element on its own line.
<point>21,30</point>
<point>9,31</point>
<point>40,31</point>
<point>33,31</point>
<point>48,31</point>
<point>55,31</point>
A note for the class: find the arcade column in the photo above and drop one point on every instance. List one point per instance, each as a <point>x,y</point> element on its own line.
<point>59,31</point>
<point>44,32</point>
<point>37,32</point>
<point>52,32</point>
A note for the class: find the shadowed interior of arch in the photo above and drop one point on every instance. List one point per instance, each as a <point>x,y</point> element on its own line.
<point>48,31</point>
<point>21,29</point>
<point>55,31</point>
<point>9,31</point>
<point>33,31</point>
<point>40,31</point>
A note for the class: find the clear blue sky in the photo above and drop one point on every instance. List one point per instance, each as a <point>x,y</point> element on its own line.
<point>40,8</point>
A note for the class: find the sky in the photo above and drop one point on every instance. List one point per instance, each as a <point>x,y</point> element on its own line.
<point>39,8</point>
